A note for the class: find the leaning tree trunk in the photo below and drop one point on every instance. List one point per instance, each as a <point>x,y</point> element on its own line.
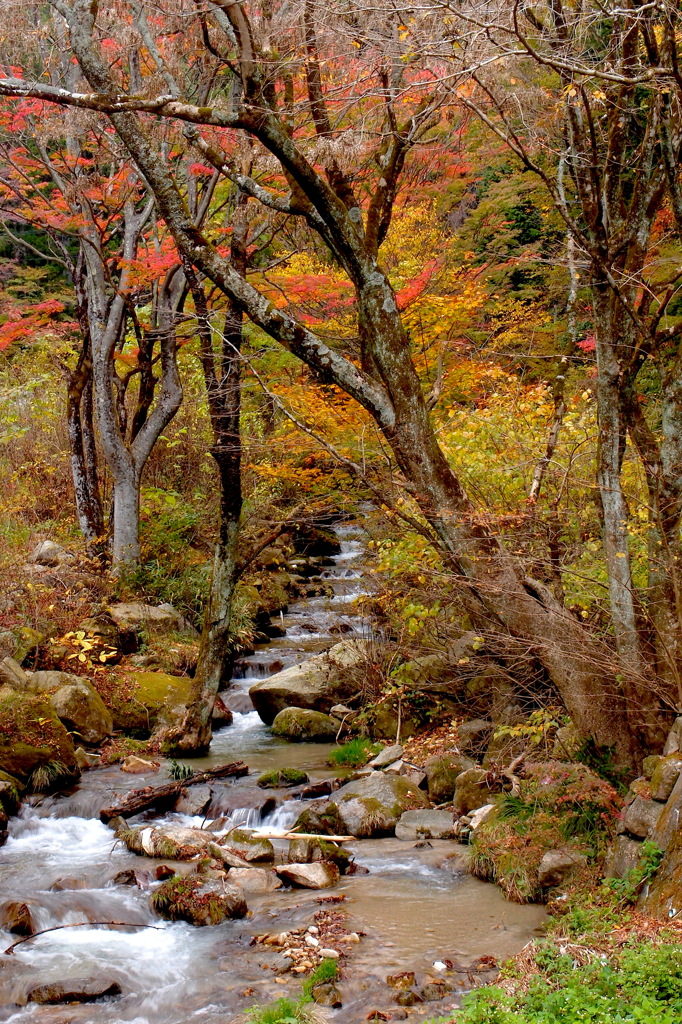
<point>82,453</point>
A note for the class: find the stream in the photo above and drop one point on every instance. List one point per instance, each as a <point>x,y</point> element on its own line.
<point>413,907</point>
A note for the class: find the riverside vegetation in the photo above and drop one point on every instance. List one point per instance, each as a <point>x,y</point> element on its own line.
<point>341,435</point>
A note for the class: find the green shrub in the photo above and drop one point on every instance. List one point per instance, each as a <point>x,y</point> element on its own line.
<point>355,753</point>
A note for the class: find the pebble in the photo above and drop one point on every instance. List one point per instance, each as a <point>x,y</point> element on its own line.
<point>330,954</point>
<point>313,930</point>
<point>353,937</point>
<point>310,940</point>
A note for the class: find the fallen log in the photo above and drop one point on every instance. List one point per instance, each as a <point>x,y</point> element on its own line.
<point>162,797</point>
<point>284,833</point>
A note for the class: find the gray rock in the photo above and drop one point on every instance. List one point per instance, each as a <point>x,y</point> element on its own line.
<point>674,740</point>
<point>480,815</point>
<point>12,674</point>
<point>668,822</point>
<point>318,875</point>
<point>557,865</point>
<point>304,725</point>
<point>253,848</point>
<point>471,790</point>
<point>424,825</point>
<point>641,816</point>
<point>373,806</point>
<point>163,618</point>
<point>474,736</point>
<point>664,776</point>
<point>317,684</point>
<point>442,772</point>
<point>48,552</point>
<point>193,800</point>
<point>387,756</point>
<point>622,857</point>
<point>75,990</point>
<point>254,880</point>
<point>307,851</point>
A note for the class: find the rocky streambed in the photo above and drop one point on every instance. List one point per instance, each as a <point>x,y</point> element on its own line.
<point>410,928</point>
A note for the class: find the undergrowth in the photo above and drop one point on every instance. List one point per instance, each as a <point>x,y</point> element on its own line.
<point>355,753</point>
<point>295,1011</point>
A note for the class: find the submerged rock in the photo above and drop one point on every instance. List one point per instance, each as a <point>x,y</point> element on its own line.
<point>317,684</point>
<point>198,901</point>
<point>319,875</point>
<point>16,917</point>
<point>76,990</point>
<point>373,805</point>
<point>304,725</point>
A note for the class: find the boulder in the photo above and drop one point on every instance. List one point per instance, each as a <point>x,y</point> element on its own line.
<point>303,725</point>
<point>123,639</point>
<point>674,741</point>
<point>49,553</point>
<point>309,851</point>
<point>557,866</point>
<point>198,901</point>
<point>471,790</point>
<point>75,990</point>
<point>176,842</point>
<point>318,875</point>
<point>77,704</point>
<point>34,745</point>
<point>567,743</point>
<point>12,674</point>
<point>669,818</point>
<point>622,857</point>
<point>161,618</point>
<point>317,684</point>
<point>321,819</point>
<point>442,772</point>
<point>424,825</point>
<point>221,716</point>
<point>480,815</point>
<point>664,776</point>
<point>372,806</point>
<point>153,694</point>
<point>662,896</point>
<point>641,817</point>
<point>134,765</point>
<point>250,846</point>
<point>254,880</point>
<point>193,800</point>
<point>473,736</point>
<point>16,917</point>
<point>283,779</point>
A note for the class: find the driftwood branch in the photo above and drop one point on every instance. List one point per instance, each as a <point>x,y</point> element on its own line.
<point>78,924</point>
<point>162,796</point>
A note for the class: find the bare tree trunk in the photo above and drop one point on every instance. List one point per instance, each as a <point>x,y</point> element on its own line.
<point>81,444</point>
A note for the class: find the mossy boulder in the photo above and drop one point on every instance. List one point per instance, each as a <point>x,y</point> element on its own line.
<point>282,779</point>
<point>308,851</point>
<point>34,745</point>
<point>442,772</point>
<point>199,901</point>
<point>76,703</point>
<point>664,776</point>
<point>473,789</point>
<point>143,698</point>
<point>372,806</point>
<point>250,846</point>
<point>303,725</point>
<point>321,819</point>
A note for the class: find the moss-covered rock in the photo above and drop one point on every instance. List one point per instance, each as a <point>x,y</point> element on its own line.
<point>372,806</point>
<point>250,846</point>
<point>303,725</point>
<point>282,779</point>
<point>321,819</point>
<point>198,901</point>
<point>34,745</point>
<point>140,700</point>
<point>308,851</point>
<point>442,772</point>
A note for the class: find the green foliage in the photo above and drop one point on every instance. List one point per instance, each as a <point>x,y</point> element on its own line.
<point>48,775</point>
<point>642,986</point>
<point>355,753</point>
<point>184,586</point>
<point>284,1011</point>
<point>603,761</point>
<point>328,970</point>
<point>179,771</point>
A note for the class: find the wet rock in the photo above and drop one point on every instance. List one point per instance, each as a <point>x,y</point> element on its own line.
<point>471,790</point>
<point>34,745</point>
<point>177,843</point>
<point>162,618</point>
<point>48,553</point>
<point>424,825</point>
<point>434,991</point>
<point>622,857</point>
<point>664,776</point>
<point>86,760</point>
<point>410,998</point>
<point>372,806</point>
<point>557,866</point>
<point>253,848</point>
<point>326,993</point>
<point>198,901</point>
<point>309,851</point>
<point>222,716</point>
<point>641,817</point>
<point>285,778</point>
<point>9,798</point>
<point>193,800</point>
<point>320,819</point>
<point>387,756</point>
<point>315,542</point>
<point>304,725</point>
<point>402,982</point>
<point>442,772</point>
<point>319,875</point>
<point>317,684</point>
<point>473,736</point>
<point>76,990</point>
<point>16,917</point>
<point>254,880</point>
<point>135,765</point>
<point>128,877</point>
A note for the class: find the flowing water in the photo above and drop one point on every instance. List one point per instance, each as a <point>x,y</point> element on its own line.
<point>413,907</point>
